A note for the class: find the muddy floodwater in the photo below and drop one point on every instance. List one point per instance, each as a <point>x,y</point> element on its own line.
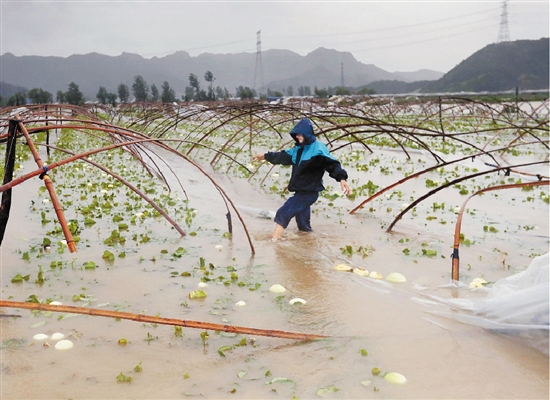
<point>370,323</point>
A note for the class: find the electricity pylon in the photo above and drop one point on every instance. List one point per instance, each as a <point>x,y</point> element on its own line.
<point>259,67</point>
<point>503,33</point>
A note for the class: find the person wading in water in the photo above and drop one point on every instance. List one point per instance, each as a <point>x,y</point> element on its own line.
<point>309,159</point>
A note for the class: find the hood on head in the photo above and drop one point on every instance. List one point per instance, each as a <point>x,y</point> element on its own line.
<point>304,128</point>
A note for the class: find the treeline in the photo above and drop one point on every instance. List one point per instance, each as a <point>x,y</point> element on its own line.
<point>38,96</point>
<point>142,92</point>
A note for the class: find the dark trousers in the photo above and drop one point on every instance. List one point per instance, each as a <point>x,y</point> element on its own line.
<point>297,206</point>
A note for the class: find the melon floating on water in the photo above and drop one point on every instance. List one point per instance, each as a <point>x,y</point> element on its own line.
<point>277,289</point>
<point>360,271</point>
<point>64,345</point>
<point>376,275</point>
<point>396,277</point>
<point>395,377</point>
<point>342,267</point>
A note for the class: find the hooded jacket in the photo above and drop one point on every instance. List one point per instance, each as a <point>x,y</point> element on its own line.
<point>309,160</point>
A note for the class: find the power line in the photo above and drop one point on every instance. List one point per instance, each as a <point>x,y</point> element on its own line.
<point>393,28</point>
<point>369,31</point>
<point>422,41</point>
<point>408,35</point>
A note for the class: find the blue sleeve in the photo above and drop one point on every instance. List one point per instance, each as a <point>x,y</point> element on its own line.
<point>279,157</point>
<point>335,170</point>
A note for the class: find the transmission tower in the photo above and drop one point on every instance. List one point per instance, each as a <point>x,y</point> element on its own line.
<point>503,33</point>
<point>342,74</point>
<point>259,67</point>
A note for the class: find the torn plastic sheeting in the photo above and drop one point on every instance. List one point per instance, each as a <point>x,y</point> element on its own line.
<point>517,304</point>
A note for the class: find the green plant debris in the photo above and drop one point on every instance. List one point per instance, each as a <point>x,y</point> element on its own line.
<point>20,278</point>
<point>138,368</point>
<point>121,378</point>
<point>197,294</point>
<point>327,390</point>
<point>280,379</point>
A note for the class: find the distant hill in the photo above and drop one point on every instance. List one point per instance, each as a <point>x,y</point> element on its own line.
<point>496,67</point>
<point>7,90</point>
<point>499,67</point>
<point>281,68</point>
<point>323,68</point>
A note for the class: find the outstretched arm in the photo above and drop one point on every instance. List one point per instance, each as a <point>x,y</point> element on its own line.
<point>345,187</point>
<point>258,157</point>
<point>278,157</point>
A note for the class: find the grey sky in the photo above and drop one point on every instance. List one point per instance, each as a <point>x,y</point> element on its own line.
<point>393,35</point>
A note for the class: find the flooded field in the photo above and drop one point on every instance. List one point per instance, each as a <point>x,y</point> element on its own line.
<point>373,327</point>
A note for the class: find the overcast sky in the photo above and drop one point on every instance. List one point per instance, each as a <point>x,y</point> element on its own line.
<point>393,35</point>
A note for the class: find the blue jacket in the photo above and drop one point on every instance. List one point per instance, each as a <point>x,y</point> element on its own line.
<point>309,160</point>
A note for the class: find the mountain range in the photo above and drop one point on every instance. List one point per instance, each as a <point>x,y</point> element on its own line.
<point>496,67</point>
<point>274,69</point>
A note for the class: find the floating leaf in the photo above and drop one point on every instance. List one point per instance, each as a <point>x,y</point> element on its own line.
<point>138,368</point>
<point>375,371</point>
<point>20,278</point>
<point>121,378</point>
<point>197,294</point>
<point>89,265</point>
<point>40,276</point>
<point>347,250</point>
<point>32,299</point>
<point>429,252</point>
<point>241,374</point>
<point>364,352</point>
<point>326,390</point>
<point>280,379</point>
<point>12,343</point>
<point>223,349</point>
<point>150,337</point>
<point>89,222</point>
<point>366,382</point>
<point>107,255</point>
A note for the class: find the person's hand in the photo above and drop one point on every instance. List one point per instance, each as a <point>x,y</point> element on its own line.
<point>345,187</point>
<point>258,157</point>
